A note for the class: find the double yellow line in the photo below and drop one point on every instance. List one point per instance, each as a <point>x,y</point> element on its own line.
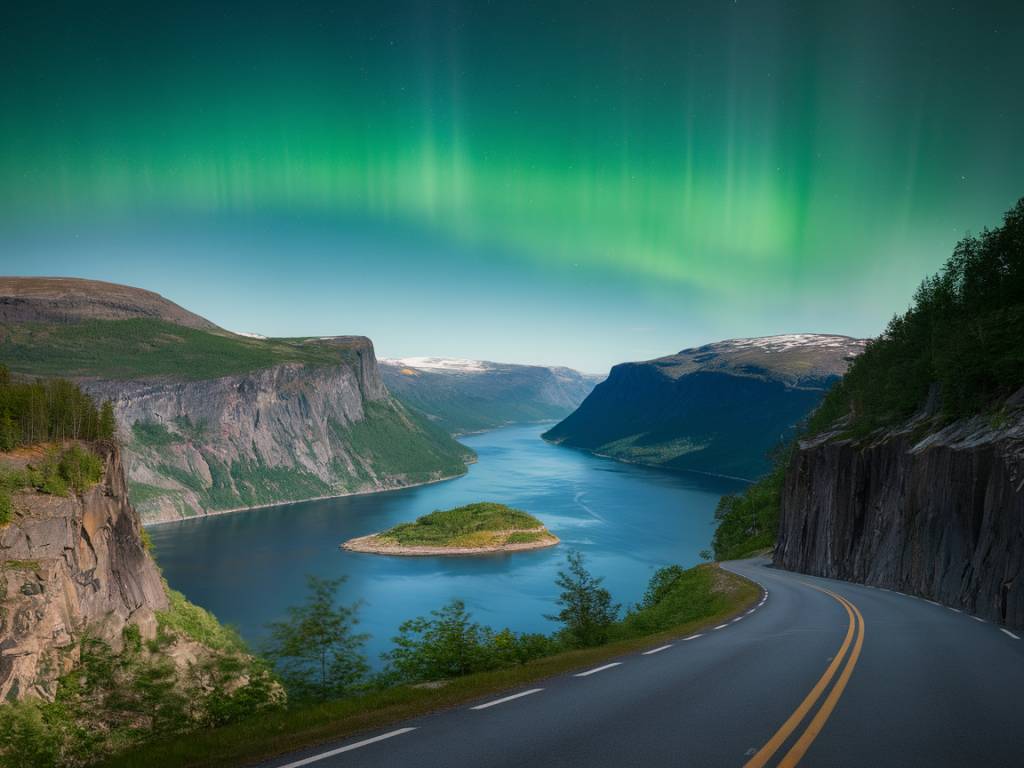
<point>854,637</point>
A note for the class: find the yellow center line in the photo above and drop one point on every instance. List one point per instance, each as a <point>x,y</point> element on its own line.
<point>804,742</point>
<point>793,721</point>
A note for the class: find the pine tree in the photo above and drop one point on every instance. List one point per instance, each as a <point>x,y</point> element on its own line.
<point>107,425</point>
<point>9,433</point>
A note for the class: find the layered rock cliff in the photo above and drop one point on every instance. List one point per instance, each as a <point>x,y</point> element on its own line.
<point>212,420</point>
<point>290,432</point>
<point>936,512</point>
<point>70,565</point>
<point>719,408</point>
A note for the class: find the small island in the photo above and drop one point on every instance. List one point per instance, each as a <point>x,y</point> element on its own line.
<point>475,529</point>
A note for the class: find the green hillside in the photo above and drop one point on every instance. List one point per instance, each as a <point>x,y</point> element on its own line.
<point>148,348</point>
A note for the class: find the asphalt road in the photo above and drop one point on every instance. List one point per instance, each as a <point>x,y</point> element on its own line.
<point>859,677</point>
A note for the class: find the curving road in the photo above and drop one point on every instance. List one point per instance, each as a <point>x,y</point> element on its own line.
<point>821,673</point>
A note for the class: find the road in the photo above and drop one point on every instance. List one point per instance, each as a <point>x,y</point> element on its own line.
<point>820,673</point>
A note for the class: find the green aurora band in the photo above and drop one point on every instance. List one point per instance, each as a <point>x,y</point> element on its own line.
<point>720,146</point>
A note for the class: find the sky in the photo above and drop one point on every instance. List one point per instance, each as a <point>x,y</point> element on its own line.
<point>542,182</point>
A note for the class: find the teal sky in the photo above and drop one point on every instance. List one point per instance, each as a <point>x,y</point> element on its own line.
<point>563,183</point>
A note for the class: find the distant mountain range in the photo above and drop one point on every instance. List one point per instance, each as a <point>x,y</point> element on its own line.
<point>719,408</point>
<point>464,396</point>
<point>211,420</point>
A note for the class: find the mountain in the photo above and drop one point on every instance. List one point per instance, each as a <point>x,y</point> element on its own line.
<point>98,653</point>
<point>71,300</point>
<point>212,420</point>
<point>718,408</point>
<point>472,395</point>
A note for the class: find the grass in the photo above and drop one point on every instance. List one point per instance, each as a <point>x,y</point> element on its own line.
<point>21,565</point>
<point>195,623</point>
<point>397,441</point>
<point>153,434</point>
<point>142,348</point>
<point>472,525</point>
<point>275,733</point>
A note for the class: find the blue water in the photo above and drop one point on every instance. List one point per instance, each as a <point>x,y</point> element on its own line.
<point>248,567</point>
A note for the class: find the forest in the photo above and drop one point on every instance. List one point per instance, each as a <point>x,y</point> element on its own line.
<point>960,339</point>
<point>51,410</point>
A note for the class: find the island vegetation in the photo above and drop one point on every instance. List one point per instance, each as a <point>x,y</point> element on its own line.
<point>479,528</point>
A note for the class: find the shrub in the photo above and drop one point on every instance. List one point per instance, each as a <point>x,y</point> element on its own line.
<point>587,609</point>
<point>195,623</point>
<point>661,584</point>
<point>674,596</point>
<point>26,739</point>
<point>450,644</point>
<point>748,522</point>
<point>6,506</point>
<point>317,651</point>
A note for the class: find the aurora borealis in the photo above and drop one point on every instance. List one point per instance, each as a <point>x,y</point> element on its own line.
<point>572,183</point>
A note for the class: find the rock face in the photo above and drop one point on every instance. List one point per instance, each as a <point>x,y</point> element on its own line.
<point>211,420</point>
<point>290,432</point>
<point>719,408</point>
<point>472,395</point>
<point>936,513</point>
<point>68,299</point>
<point>67,565</point>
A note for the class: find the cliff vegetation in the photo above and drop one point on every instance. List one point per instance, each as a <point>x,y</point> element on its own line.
<point>961,336</point>
<point>98,654</point>
<point>937,388</point>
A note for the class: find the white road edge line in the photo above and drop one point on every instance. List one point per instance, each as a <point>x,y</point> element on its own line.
<point>955,610</point>
<point>691,637</point>
<point>738,618</point>
<point>978,618</point>
<point>721,626</point>
<point>657,650</point>
<point>348,748</point>
<point>751,611</point>
<point>1008,632</point>
<point>496,702</point>
<point>598,669</point>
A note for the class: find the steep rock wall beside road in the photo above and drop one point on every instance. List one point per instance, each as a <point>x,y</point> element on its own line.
<point>936,513</point>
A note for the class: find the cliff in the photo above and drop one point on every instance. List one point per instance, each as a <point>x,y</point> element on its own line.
<point>935,512</point>
<point>69,565</point>
<point>212,420</point>
<point>718,408</point>
<point>472,395</point>
<point>294,431</point>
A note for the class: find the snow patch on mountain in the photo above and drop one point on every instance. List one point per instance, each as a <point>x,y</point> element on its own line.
<point>785,342</point>
<point>439,363</point>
